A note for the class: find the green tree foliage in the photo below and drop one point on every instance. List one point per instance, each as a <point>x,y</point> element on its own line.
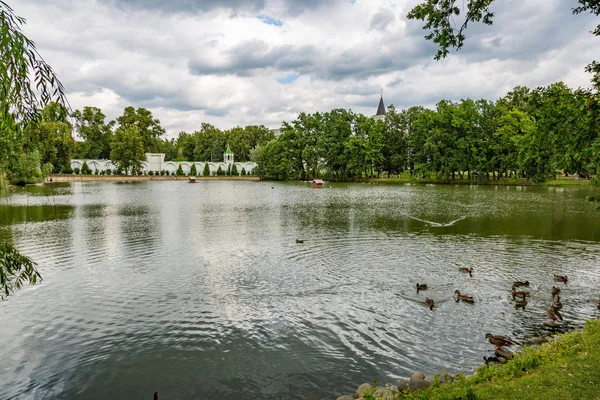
<point>26,168</point>
<point>91,126</point>
<point>193,171</point>
<point>206,171</point>
<point>234,170</point>
<point>127,149</point>
<point>85,169</point>
<point>220,171</point>
<point>148,127</point>
<point>243,171</point>
<point>15,270</point>
<point>180,171</point>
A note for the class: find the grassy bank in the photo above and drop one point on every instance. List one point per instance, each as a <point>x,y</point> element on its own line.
<point>406,178</point>
<point>568,368</point>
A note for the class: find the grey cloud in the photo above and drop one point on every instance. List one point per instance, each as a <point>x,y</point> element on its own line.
<point>247,57</point>
<point>382,19</point>
<point>216,112</point>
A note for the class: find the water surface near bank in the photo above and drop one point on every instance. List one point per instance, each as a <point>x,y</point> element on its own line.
<point>200,291</point>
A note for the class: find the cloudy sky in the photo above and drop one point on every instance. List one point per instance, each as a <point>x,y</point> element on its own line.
<point>241,62</point>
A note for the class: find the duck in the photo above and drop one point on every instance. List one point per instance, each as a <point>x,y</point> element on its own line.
<point>463,297</point>
<point>429,302</point>
<point>520,283</point>
<point>466,270</point>
<point>598,304</point>
<point>299,240</point>
<point>555,291</point>
<point>519,293</point>
<point>561,278</point>
<point>553,314</point>
<point>499,341</point>
<point>421,286</point>
<point>556,303</point>
<point>520,303</point>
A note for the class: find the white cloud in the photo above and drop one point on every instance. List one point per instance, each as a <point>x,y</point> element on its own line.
<point>194,62</point>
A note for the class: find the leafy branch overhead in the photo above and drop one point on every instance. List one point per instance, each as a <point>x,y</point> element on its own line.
<point>443,18</point>
<point>24,74</point>
<point>15,270</point>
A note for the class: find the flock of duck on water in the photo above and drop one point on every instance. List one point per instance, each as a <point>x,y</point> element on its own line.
<point>520,300</point>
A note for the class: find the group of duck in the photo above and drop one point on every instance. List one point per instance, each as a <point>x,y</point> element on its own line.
<point>520,300</point>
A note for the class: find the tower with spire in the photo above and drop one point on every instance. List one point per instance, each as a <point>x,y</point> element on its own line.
<point>380,109</point>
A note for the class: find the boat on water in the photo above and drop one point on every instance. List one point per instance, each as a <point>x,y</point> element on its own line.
<point>317,183</point>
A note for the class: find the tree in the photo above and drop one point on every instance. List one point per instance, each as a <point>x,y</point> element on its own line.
<point>220,171</point>
<point>206,171</point>
<point>15,270</point>
<point>127,149</point>
<point>148,127</point>
<point>85,169</point>
<point>179,171</point>
<point>234,170</point>
<point>26,169</point>
<point>97,134</point>
<point>193,171</point>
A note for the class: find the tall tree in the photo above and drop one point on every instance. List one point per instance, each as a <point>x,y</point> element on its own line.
<point>91,126</point>
<point>127,149</point>
<point>148,127</point>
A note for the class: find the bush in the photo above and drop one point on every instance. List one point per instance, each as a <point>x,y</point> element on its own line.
<point>108,171</point>
<point>85,170</point>
<point>193,171</point>
<point>96,172</point>
<point>243,171</point>
<point>234,170</point>
<point>150,173</point>
<point>206,171</point>
<point>179,171</point>
<point>76,171</point>
<point>67,169</point>
<point>220,171</point>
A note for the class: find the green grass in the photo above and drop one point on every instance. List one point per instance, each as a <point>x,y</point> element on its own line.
<point>568,368</point>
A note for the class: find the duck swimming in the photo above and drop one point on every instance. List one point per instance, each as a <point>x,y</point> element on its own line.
<point>520,283</point>
<point>429,302</point>
<point>519,294</point>
<point>561,278</point>
<point>555,291</point>
<point>463,297</point>
<point>421,286</point>
<point>466,270</point>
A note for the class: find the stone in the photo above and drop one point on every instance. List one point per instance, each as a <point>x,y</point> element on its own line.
<point>429,378</point>
<point>419,384</point>
<point>386,393</point>
<point>362,388</point>
<point>403,384</point>
<point>417,376</point>
<point>345,397</point>
<point>540,340</point>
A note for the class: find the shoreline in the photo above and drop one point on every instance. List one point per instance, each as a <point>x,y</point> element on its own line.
<point>124,178</point>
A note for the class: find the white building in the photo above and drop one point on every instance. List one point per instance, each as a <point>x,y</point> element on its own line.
<point>155,162</point>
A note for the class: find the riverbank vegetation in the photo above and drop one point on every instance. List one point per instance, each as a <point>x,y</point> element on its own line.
<point>529,133</point>
<point>566,368</point>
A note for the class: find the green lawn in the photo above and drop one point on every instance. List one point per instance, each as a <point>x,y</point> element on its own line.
<point>568,368</point>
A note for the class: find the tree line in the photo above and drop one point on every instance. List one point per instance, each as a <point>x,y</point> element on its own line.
<point>529,133</point>
<point>47,145</point>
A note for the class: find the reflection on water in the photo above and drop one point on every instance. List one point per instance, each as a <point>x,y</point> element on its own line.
<point>200,291</point>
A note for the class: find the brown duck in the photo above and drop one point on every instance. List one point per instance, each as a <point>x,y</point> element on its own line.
<point>519,293</point>
<point>498,340</point>
<point>463,297</point>
<point>520,303</point>
<point>520,283</point>
<point>421,286</point>
<point>553,314</point>
<point>556,303</point>
<point>429,302</point>
<point>299,240</point>
<point>561,278</point>
<point>466,270</point>
<point>555,291</point>
<point>598,304</point>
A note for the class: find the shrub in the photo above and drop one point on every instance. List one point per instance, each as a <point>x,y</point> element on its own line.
<point>85,170</point>
<point>76,171</point>
<point>234,170</point>
<point>150,173</point>
<point>179,171</point>
<point>206,171</point>
<point>108,171</point>
<point>193,171</point>
<point>96,172</point>
<point>243,171</point>
<point>220,171</point>
<point>67,169</point>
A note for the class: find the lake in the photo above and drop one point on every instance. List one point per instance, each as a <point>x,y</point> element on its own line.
<point>201,291</point>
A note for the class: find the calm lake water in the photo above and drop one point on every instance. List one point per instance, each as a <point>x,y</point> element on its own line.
<point>200,291</point>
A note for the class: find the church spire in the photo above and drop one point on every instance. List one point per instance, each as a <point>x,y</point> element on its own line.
<point>381,108</point>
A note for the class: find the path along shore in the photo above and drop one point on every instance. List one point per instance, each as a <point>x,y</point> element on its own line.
<point>124,178</point>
